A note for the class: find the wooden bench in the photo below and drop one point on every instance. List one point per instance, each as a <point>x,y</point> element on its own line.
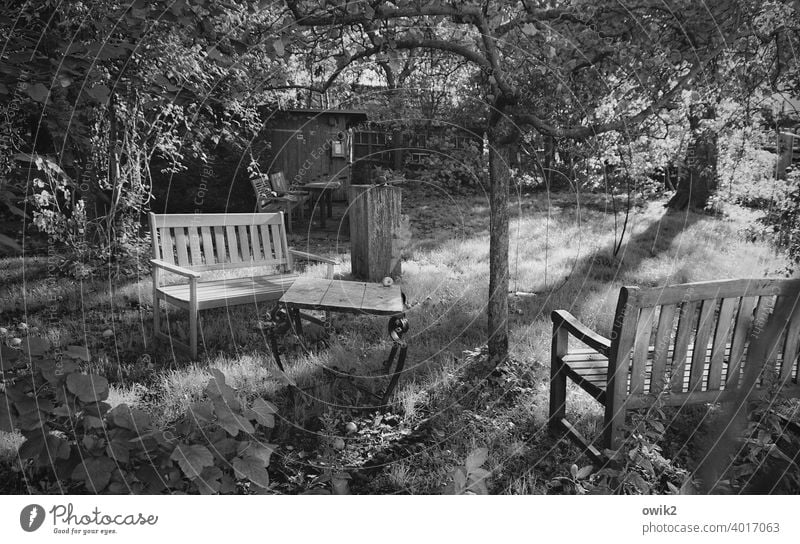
<point>703,342</point>
<point>189,244</point>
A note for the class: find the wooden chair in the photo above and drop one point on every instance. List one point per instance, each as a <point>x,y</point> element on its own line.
<point>270,201</point>
<point>703,342</point>
<point>190,244</point>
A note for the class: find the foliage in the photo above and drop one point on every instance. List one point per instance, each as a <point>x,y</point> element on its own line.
<point>73,435</point>
<point>636,468</point>
<point>450,165</point>
<point>782,222</point>
<point>767,459</point>
<point>470,478</point>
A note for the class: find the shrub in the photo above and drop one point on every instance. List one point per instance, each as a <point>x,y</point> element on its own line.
<point>71,433</point>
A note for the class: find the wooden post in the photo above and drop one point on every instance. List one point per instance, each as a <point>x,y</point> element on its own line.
<point>374,220</point>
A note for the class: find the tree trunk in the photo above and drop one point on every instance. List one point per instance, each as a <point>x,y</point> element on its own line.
<point>499,175</point>
<point>700,181</point>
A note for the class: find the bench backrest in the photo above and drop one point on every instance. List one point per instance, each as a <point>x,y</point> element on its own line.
<point>221,241</point>
<point>278,182</point>
<point>262,189</point>
<point>703,341</point>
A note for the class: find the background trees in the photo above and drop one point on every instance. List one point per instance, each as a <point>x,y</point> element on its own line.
<point>613,92</point>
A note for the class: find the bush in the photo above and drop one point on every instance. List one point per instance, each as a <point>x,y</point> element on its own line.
<point>72,435</point>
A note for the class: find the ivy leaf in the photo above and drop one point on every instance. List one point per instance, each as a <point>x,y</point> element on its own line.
<point>252,469</point>
<point>88,387</point>
<point>94,472</point>
<point>192,459</point>
<point>476,459</point>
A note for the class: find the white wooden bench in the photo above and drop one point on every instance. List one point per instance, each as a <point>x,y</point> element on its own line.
<point>190,244</point>
<point>704,342</point>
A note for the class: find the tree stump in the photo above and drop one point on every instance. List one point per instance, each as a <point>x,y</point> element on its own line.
<point>374,223</point>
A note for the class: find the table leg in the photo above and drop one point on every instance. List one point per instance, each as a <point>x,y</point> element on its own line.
<point>398,326</point>
<point>329,201</point>
<point>322,210</point>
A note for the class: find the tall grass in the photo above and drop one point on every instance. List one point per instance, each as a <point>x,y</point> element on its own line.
<point>562,257</point>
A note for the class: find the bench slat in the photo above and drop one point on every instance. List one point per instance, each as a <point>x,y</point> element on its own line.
<point>208,246</point>
<point>705,325</point>
<point>686,319</point>
<point>744,321</point>
<point>644,329</point>
<point>666,320</point>
<point>180,246</point>
<point>219,239</point>
<point>194,246</point>
<point>721,343</point>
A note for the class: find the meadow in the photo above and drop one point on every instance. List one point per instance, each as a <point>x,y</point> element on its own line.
<point>567,251</point>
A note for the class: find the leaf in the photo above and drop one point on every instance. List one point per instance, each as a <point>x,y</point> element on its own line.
<point>100,93</point>
<point>33,445</point>
<point>584,472</point>
<point>573,470</point>
<point>201,412</point>
<point>94,472</point>
<point>8,357</point>
<point>476,459</point>
<point>35,346</point>
<point>231,421</point>
<point>78,352</point>
<point>278,46</point>
<point>209,481</point>
<point>6,417</point>
<point>459,481</point>
<point>38,92</point>
<point>88,387</point>
<point>192,459</point>
<point>251,469</point>
<point>261,452</point>
<point>129,418</point>
<point>530,29</point>
<point>262,411</point>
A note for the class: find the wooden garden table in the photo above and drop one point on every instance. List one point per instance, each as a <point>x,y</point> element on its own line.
<point>350,297</point>
<point>321,191</point>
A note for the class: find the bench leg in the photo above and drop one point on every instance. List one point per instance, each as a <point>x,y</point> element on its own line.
<point>193,319</point>
<point>558,379</point>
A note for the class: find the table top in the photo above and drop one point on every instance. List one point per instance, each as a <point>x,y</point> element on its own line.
<point>322,185</point>
<point>344,296</point>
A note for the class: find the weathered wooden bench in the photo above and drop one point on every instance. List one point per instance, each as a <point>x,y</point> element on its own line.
<point>189,244</point>
<point>703,342</point>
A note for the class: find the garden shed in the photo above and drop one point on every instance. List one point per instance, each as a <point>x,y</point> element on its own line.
<point>309,144</point>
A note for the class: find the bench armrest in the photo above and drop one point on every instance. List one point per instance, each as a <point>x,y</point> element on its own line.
<point>175,269</point>
<point>565,320</point>
<point>318,258</point>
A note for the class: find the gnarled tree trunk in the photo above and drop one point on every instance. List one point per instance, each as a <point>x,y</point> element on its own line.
<point>699,182</point>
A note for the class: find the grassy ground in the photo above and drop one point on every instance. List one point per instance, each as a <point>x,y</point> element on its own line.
<point>562,256</point>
